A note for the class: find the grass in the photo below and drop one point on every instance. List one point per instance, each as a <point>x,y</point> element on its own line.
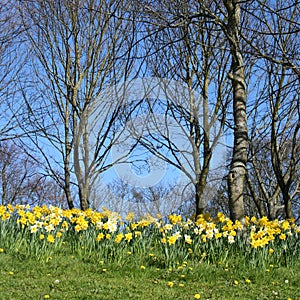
<point>71,277</point>
<point>49,253</point>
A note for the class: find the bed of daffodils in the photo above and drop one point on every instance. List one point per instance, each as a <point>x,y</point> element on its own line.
<point>47,230</point>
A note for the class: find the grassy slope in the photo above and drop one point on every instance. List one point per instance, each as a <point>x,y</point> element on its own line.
<point>84,279</point>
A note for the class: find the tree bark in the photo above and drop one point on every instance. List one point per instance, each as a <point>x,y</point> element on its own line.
<point>237,173</point>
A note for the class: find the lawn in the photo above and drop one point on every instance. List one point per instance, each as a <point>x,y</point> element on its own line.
<point>48,253</point>
<point>67,277</point>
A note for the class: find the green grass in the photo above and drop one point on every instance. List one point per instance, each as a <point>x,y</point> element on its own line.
<point>51,253</point>
<point>70,277</point>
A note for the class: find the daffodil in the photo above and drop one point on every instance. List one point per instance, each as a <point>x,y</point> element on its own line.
<point>119,238</point>
<point>50,238</point>
<point>128,236</point>
<point>172,240</point>
<point>99,237</point>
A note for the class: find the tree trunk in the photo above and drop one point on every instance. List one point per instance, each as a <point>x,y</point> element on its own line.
<point>288,208</point>
<point>3,183</point>
<point>68,149</point>
<point>237,173</point>
<point>67,178</point>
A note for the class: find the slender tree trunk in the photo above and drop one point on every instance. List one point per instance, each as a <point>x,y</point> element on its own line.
<point>237,173</point>
<point>67,172</point>
<point>67,185</point>
<point>288,207</point>
<point>202,169</point>
<point>3,183</point>
<point>199,193</point>
<point>284,179</point>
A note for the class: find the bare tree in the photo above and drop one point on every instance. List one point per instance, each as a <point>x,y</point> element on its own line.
<point>225,62</point>
<point>79,48</point>
<point>237,173</point>
<point>11,62</point>
<point>155,200</point>
<point>255,31</point>
<point>275,143</point>
<point>22,181</point>
<point>191,61</point>
<point>272,39</point>
<point>273,32</point>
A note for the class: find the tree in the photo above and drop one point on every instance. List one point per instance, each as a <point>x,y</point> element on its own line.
<point>155,200</point>
<point>79,49</point>
<point>274,144</point>
<point>251,32</point>
<point>11,62</point>
<point>188,58</point>
<point>21,180</point>
<point>274,121</point>
<point>221,64</point>
<point>273,32</point>
<point>237,173</point>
